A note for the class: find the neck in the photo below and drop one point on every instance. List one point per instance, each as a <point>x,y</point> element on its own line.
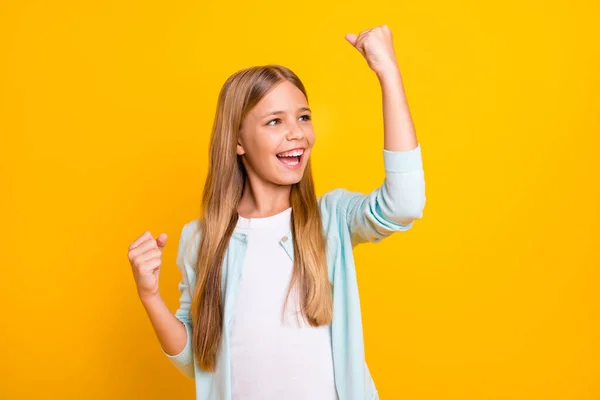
<point>260,199</point>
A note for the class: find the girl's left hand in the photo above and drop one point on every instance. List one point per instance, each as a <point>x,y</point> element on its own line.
<point>377,47</point>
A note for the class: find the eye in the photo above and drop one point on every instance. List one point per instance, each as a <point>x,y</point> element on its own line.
<point>306,116</point>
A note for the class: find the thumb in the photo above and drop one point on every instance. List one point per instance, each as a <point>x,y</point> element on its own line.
<point>351,38</point>
<point>161,240</point>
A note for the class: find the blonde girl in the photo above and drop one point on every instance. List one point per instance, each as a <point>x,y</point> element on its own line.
<point>269,305</point>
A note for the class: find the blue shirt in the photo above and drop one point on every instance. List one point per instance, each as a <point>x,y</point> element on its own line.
<point>349,218</point>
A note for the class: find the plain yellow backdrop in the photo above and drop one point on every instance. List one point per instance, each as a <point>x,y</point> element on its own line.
<point>105,116</point>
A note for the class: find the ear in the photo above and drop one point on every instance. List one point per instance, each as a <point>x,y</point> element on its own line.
<point>240,147</point>
<point>240,150</point>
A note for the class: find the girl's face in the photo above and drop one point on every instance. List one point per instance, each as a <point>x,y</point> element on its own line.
<point>280,122</point>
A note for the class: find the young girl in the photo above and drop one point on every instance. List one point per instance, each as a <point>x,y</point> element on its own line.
<point>269,305</point>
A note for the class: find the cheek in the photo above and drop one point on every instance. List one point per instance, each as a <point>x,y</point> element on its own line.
<point>266,146</point>
<point>261,152</point>
<point>311,137</point>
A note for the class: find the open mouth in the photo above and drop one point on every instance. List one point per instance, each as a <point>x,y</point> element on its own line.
<point>291,159</point>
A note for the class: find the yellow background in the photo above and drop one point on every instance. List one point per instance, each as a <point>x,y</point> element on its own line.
<point>105,115</point>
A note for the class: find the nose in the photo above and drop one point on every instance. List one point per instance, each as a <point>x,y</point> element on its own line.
<point>295,132</point>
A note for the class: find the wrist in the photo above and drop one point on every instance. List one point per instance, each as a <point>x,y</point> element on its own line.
<point>150,300</point>
<point>389,73</point>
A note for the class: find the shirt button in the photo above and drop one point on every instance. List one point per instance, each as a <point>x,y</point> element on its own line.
<point>285,238</point>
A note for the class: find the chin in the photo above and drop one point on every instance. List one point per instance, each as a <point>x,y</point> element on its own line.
<point>289,180</point>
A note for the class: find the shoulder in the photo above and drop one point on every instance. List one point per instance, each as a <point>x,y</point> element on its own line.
<point>336,201</point>
<point>334,206</point>
<point>189,241</point>
<point>190,228</point>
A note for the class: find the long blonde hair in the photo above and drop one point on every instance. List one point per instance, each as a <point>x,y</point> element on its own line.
<point>221,197</point>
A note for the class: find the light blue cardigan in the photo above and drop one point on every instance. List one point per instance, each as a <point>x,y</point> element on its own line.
<point>349,218</point>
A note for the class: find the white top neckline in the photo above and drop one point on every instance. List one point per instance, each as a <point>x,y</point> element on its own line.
<point>246,224</point>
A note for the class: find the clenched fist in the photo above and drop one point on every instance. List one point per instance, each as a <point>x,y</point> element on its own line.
<point>376,46</point>
<point>145,257</point>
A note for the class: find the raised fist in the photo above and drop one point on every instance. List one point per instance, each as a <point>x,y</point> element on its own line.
<point>145,257</point>
<point>376,46</point>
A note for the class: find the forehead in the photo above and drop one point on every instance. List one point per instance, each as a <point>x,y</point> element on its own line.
<point>285,96</point>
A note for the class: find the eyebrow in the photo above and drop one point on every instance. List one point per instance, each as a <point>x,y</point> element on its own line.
<point>283,112</point>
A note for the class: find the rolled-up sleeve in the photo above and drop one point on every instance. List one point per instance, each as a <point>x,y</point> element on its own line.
<point>393,206</point>
<point>184,361</point>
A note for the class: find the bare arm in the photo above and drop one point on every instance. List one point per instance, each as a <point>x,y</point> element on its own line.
<point>377,47</point>
<point>173,331</point>
<point>169,330</point>
<point>399,130</point>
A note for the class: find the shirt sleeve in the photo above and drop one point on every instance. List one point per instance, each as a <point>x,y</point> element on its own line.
<point>184,361</point>
<point>393,206</point>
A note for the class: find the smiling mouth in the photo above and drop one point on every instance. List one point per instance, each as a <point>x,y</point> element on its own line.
<point>291,161</point>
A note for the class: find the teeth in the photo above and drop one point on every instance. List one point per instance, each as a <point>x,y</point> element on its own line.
<point>291,153</point>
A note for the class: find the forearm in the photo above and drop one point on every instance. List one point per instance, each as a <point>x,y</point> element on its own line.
<point>170,331</point>
<point>403,194</point>
<point>399,131</point>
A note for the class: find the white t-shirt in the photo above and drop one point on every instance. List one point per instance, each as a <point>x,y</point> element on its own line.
<point>271,359</point>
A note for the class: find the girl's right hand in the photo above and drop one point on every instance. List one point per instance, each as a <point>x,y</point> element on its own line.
<point>145,258</point>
